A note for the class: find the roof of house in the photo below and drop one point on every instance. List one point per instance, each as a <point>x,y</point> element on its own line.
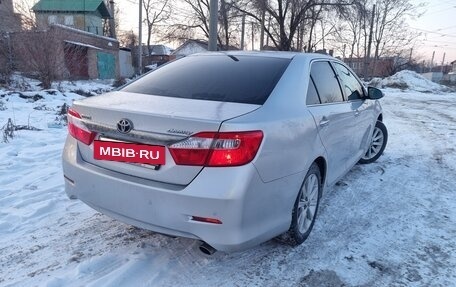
<point>156,50</point>
<point>72,6</point>
<point>203,44</point>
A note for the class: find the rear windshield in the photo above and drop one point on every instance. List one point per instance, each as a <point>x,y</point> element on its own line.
<point>239,79</point>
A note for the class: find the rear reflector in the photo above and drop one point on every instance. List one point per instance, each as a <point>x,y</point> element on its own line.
<point>217,148</point>
<point>206,220</point>
<point>77,129</point>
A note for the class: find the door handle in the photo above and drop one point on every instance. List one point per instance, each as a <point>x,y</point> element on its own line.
<point>324,122</point>
<point>356,113</point>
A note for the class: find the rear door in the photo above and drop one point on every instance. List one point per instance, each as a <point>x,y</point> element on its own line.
<point>333,117</point>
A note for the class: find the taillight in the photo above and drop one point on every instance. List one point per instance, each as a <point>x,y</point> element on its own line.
<point>77,129</point>
<point>217,148</point>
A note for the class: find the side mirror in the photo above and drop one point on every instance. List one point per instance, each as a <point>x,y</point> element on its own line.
<point>374,93</point>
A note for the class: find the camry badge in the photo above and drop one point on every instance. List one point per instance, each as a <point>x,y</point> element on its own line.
<point>124,126</point>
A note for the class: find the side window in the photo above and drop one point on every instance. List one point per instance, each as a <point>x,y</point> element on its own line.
<point>312,95</point>
<point>326,83</point>
<point>352,88</point>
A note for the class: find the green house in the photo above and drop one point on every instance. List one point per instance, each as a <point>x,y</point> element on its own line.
<point>87,15</point>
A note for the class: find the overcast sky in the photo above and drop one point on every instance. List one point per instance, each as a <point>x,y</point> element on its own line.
<point>438,25</point>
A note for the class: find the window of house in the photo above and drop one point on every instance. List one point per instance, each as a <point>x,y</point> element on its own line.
<point>69,20</point>
<point>326,82</point>
<point>52,19</point>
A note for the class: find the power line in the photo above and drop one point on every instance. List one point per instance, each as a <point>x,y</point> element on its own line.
<point>433,32</point>
<point>441,10</point>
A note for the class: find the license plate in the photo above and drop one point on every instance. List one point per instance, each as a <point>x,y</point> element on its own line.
<point>129,152</point>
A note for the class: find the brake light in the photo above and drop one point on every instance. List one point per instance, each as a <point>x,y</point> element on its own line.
<point>77,129</point>
<point>217,148</point>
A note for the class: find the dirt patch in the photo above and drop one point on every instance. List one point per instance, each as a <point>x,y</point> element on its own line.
<point>322,278</point>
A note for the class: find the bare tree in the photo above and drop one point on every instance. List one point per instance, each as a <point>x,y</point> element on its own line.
<point>391,35</point>
<point>156,12</point>
<point>35,47</point>
<point>128,39</point>
<point>194,20</point>
<point>287,16</point>
<point>5,58</point>
<point>351,29</point>
<point>32,50</point>
<point>24,8</point>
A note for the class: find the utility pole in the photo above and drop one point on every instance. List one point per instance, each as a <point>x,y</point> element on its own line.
<point>253,37</point>
<point>367,58</point>
<point>410,57</point>
<point>443,61</point>
<point>140,38</point>
<point>112,20</point>
<point>242,32</point>
<point>213,9</point>
<point>263,15</point>
<point>432,61</point>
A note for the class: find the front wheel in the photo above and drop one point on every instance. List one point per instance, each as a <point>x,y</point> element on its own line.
<point>306,207</point>
<point>377,144</point>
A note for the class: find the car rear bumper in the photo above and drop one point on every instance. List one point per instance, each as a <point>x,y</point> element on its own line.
<point>250,210</point>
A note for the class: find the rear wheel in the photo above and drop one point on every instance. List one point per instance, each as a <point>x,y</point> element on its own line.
<point>377,144</point>
<point>306,207</point>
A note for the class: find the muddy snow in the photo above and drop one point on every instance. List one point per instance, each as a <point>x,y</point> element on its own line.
<point>391,223</point>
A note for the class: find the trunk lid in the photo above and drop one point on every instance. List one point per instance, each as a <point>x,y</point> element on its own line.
<point>156,120</point>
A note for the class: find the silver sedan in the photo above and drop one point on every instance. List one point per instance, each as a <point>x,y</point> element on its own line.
<point>230,148</point>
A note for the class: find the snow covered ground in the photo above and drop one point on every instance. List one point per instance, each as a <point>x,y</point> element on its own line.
<point>391,223</point>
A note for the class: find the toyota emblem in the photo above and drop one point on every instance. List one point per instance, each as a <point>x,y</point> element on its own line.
<point>124,126</point>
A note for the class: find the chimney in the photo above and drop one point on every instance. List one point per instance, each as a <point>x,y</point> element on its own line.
<point>112,20</point>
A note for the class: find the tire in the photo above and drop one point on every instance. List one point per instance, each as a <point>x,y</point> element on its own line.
<point>306,205</point>
<point>377,144</point>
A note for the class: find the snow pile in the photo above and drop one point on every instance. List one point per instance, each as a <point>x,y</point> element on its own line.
<point>409,80</point>
<point>85,88</point>
<point>89,88</point>
<point>27,106</point>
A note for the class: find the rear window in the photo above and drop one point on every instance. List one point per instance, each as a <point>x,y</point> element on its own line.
<point>239,79</point>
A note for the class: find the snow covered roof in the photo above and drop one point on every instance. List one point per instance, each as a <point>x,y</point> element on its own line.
<point>83,45</point>
<point>84,32</point>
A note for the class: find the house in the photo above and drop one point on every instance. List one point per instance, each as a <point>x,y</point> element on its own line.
<point>159,54</point>
<point>86,15</point>
<point>9,20</point>
<point>451,76</point>
<point>382,67</point>
<point>192,46</point>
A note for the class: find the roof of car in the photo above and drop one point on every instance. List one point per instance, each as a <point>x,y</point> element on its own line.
<point>272,54</point>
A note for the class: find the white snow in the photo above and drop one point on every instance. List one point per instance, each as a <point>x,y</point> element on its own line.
<point>391,223</point>
<point>409,80</point>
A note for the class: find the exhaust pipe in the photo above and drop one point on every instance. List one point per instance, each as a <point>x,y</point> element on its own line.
<point>207,249</point>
